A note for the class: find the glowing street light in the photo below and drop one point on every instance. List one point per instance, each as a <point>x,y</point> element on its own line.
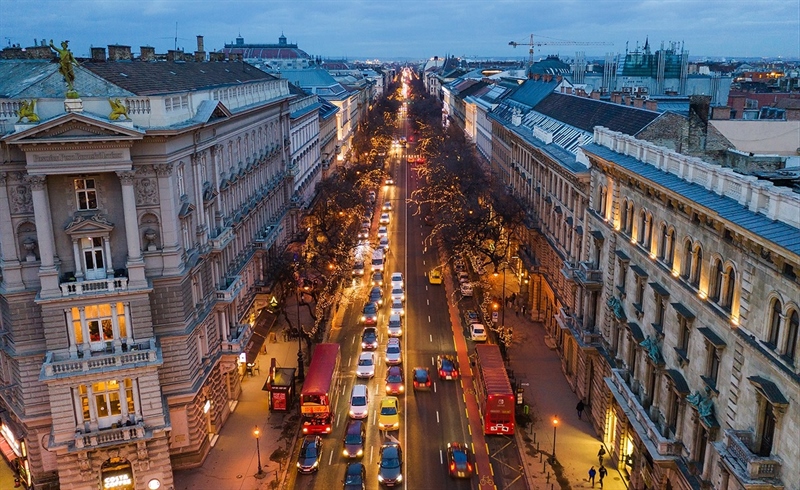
<point>555,426</point>
<point>260,473</point>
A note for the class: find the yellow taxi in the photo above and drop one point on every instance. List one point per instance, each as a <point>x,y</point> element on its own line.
<point>435,276</point>
<point>389,414</point>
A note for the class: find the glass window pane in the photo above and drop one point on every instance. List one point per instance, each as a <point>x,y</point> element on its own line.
<point>108,330</point>
<point>94,330</point>
<point>102,405</point>
<point>114,403</point>
<point>76,327</point>
<point>85,407</point>
<point>123,331</point>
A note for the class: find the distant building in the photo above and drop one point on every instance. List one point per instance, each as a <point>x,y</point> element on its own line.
<point>271,57</point>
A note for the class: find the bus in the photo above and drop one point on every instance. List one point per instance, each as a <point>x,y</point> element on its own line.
<point>493,389</point>
<point>318,389</point>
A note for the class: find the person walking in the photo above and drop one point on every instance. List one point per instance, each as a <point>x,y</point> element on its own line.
<point>580,408</point>
<point>600,454</point>
<point>602,473</point>
<point>592,473</point>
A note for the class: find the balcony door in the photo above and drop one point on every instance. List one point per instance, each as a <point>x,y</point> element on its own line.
<point>94,264</point>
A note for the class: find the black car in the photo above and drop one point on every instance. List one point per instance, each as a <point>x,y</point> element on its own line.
<point>447,366</point>
<point>459,460</point>
<point>369,338</point>
<point>376,295</point>
<point>310,454</point>
<point>390,471</point>
<point>369,315</point>
<point>354,438</point>
<point>355,477</point>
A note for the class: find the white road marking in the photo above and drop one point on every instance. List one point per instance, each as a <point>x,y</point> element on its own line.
<point>431,337</point>
<point>428,302</point>
<point>441,458</point>
<point>437,417</point>
<point>433,362</point>
<point>371,453</point>
<point>330,459</point>
<point>434,390</point>
<point>429,320</point>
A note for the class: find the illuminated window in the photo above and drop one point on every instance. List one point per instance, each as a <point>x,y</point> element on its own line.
<point>86,194</point>
<point>106,402</point>
<point>96,324</point>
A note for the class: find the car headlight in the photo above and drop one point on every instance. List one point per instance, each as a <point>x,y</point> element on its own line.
<point>352,413</point>
<point>298,464</point>
<point>401,388</point>
<point>399,478</point>
<point>360,452</point>
<point>380,478</point>
<point>345,453</point>
<point>388,388</point>
<point>316,463</point>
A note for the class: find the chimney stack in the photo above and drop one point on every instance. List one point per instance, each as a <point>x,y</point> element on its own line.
<point>638,102</point>
<point>147,53</point>
<point>200,54</point>
<point>216,56</point>
<point>651,105</point>
<point>595,95</point>
<point>98,54</point>
<point>616,97</point>
<point>173,55</point>
<point>721,112</point>
<point>118,52</point>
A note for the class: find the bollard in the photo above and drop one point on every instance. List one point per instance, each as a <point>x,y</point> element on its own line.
<point>547,480</point>
<point>544,464</point>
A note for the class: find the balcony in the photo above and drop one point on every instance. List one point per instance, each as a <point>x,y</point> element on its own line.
<point>569,270</point>
<point>107,285</point>
<point>222,239</point>
<point>751,469</point>
<point>652,434</point>
<point>236,344</point>
<point>112,435</point>
<point>60,364</point>
<point>589,275</point>
<point>228,290</point>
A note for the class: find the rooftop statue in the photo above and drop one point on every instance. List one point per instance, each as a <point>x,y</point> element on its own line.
<point>66,63</point>
<point>118,109</point>
<point>26,108</point>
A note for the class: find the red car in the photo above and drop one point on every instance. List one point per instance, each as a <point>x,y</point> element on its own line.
<point>394,381</point>
<point>422,378</point>
<point>447,366</point>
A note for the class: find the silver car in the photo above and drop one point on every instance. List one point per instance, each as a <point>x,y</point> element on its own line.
<point>366,365</point>
<point>393,354</point>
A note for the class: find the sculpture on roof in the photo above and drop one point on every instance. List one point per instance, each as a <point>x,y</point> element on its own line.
<point>25,111</point>
<point>66,63</point>
<point>118,109</point>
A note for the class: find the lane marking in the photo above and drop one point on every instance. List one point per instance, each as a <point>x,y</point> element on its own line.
<point>431,337</point>
<point>429,318</point>
<point>434,390</point>
<point>330,459</point>
<point>437,417</point>
<point>441,458</point>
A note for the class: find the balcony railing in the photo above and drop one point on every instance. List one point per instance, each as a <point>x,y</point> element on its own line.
<point>228,293</point>
<point>236,345</point>
<point>58,364</point>
<point>112,435</point>
<point>569,270</point>
<point>588,273</point>
<point>222,239</point>
<point>750,465</point>
<point>108,285</point>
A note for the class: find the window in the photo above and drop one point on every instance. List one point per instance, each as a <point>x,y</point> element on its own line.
<point>712,369</point>
<point>669,254</point>
<point>179,178</point>
<point>790,351</point>
<point>729,288</point>
<point>85,194</point>
<point>98,324</point>
<point>683,333</point>
<point>639,291</point>
<point>628,225</point>
<point>715,281</point>
<point>624,217</point>
<point>775,324</point>
<point>623,275</point>
<point>697,265</point>
<point>661,306</point>
<point>686,260</point>
<point>106,402</point>
<point>672,411</point>
<point>767,430</point>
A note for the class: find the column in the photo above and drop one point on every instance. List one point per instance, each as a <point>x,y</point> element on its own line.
<point>73,344</point>
<point>123,400</point>
<point>115,328</point>
<point>135,263</point>
<point>76,252</point>
<point>12,271</point>
<point>170,225</point>
<point>107,252</point>
<point>86,347</point>
<point>128,325</point>
<point>48,273</point>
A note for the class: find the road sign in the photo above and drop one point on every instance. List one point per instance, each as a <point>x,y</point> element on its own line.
<point>495,317</point>
<point>273,302</point>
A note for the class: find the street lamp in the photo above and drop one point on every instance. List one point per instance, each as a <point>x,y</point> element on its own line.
<point>301,375</point>
<point>260,473</point>
<point>555,426</point>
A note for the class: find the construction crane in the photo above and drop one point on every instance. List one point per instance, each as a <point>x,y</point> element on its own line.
<point>533,43</point>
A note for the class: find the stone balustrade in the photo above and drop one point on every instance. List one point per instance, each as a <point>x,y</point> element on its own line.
<point>108,285</point>
<point>57,365</point>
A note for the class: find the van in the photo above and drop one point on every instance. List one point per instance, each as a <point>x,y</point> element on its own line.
<point>377,260</point>
<point>359,402</point>
<point>395,327</point>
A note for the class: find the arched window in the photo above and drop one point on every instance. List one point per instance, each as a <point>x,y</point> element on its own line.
<point>640,232</point>
<point>629,223</point>
<point>697,264</point>
<point>730,288</point>
<point>670,255</point>
<point>686,260</point>
<point>624,217</point>
<point>775,323</point>
<point>648,232</point>
<point>791,339</point>
<point>715,281</point>
<point>662,243</point>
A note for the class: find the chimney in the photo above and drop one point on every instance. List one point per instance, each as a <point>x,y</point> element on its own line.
<point>595,94</point>
<point>721,112</point>
<point>626,99</point>
<point>39,53</point>
<point>216,56</point>
<point>558,79</point>
<point>173,55</point>
<point>200,47</point>
<point>200,54</point>
<point>147,53</point>
<point>98,54</point>
<point>536,77</point>
<point>118,52</point>
<point>568,90</point>
<point>548,78</point>
<point>651,105</point>
<point>638,102</point>
<point>616,97</point>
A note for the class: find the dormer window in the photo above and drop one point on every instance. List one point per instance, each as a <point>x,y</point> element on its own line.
<point>85,194</point>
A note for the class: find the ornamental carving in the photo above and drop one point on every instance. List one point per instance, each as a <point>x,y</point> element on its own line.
<point>21,200</point>
<point>146,192</point>
<point>127,177</point>
<point>163,169</point>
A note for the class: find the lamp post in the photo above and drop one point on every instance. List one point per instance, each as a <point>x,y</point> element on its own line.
<point>260,473</point>
<point>301,375</point>
<point>555,426</point>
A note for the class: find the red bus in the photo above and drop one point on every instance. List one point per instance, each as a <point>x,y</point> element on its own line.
<point>495,396</point>
<point>318,389</point>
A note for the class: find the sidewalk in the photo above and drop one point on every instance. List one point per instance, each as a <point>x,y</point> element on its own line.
<point>548,394</point>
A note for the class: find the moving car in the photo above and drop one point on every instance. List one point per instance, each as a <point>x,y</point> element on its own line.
<point>466,289</point>
<point>382,231</point>
<point>366,365</point>
<point>369,315</point>
<point>397,308</point>
<point>459,460</point>
<point>390,468</point>
<point>398,293</point>
<point>471,316</point>
<point>395,326</point>
<point>397,280</point>
<point>435,276</point>
<point>447,366</point>
<point>394,381</point>
<point>383,244</point>
<point>376,295</point>
<point>387,206</point>
<point>310,454</point>
<point>389,415</point>
<point>354,437</point>
<point>355,477</point>
<point>364,233</point>
<point>369,338</point>
<point>359,402</point>
<point>358,269</point>
<point>463,277</point>
<point>377,278</point>
<point>393,354</point>
<point>422,378</point>
<point>388,181</point>
<point>384,219</point>
<point>477,332</point>
<point>377,260</point>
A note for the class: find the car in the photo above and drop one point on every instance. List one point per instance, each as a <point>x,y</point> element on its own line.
<point>354,437</point>
<point>390,468</point>
<point>463,277</point>
<point>359,402</point>
<point>471,316</point>
<point>369,314</point>
<point>388,181</point>
<point>397,280</point>
<point>387,206</point>
<point>358,269</point>
<point>389,415</point>
<point>466,289</point>
<point>447,366</point>
<point>310,454</point>
<point>384,219</point>
<point>393,355</point>
<point>383,244</point>
<point>398,293</point>
<point>355,477</point>
<point>377,278</point>
<point>458,266</point>
<point>395,327</point>
<point>376,295</point>
<point>435,276</point>
<point>477,332</point>
<point>364,232</point>
<point>369,338</point>
<point>459,460</point>
<point>366,365</point>
<point>394,381</point>
<point>397,308</point>
<point>382,232</point>
<point>422,378</point>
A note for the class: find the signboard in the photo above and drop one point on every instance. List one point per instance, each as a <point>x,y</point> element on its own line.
<point>279,400</point>
<point>495,317</point>
<point>311,409</point>
<point>273,302</point>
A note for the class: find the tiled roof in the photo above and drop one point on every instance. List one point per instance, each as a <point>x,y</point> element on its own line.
<point>40,79</point>
<point>585,113</point>
<point>269,53</point>
<point>165,77</point>
<point>532,92</point>
<point>778,232</point>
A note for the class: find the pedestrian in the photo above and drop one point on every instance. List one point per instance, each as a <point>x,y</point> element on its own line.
<point>580,408</point>
<point>602,472</point>
<point>523,310</point>
<point>600,454</point>
<point>516,310</point>
<point>592,472</point>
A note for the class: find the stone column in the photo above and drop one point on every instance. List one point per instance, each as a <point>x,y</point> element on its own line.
<point>73,343</point>
<point>107,251</point>
<point>12,271</point>
<point>170,225</point>
<point>135,263</point>
<point>85,331</point>
<point>115,328</point>
<point>76,252</point>
<point>48,272</point>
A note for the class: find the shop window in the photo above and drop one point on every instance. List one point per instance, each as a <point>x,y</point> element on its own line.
<point>85,194</point>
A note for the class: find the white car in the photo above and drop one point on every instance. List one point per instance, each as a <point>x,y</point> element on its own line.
<point>384,219</point>
<point>397,280</point>
<point>395,327</point>
<point>393,354</point>
<point>359,402</point>
<point>366,365</point>
<point>383,244</point>
<point>397,308</point>
<point>398,294</point>
<point>466,289</point>
<point>463,277</point>
<point>387,206</point>
<point>382,232</point>
<point>477,332</point>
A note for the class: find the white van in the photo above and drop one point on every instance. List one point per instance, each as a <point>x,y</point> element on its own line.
<point>359,402</point>
<point>377,260</point>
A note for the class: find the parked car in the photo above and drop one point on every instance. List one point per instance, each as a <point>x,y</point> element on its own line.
<point>466,289</point>
<point>477,332</point>
<point>471,316</point>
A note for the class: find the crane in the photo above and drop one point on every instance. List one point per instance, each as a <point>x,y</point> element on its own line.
<point>533,43</point>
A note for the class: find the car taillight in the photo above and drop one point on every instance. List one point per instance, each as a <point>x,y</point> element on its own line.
<point>469,466</point>
<point>455,373</point>
<point>452,466</point>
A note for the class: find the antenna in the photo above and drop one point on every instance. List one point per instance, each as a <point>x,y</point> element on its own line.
<point>176,37</point>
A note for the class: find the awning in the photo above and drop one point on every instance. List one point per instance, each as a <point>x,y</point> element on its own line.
<point>639,271</point>
<point>636,332</point>
<point>683,311</point>
<point>712,337</point>
<point>264,322</point>
<point>769,390</point>
<point>597,235</point>
<point>681,386</point>
<point>659,289</point>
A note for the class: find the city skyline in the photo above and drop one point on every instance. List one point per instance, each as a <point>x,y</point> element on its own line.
<point>414,29</point>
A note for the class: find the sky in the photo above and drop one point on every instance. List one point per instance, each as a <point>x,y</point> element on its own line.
<point>415,29</point>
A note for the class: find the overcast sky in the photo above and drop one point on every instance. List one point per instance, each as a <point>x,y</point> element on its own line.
<point>358,29</point>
